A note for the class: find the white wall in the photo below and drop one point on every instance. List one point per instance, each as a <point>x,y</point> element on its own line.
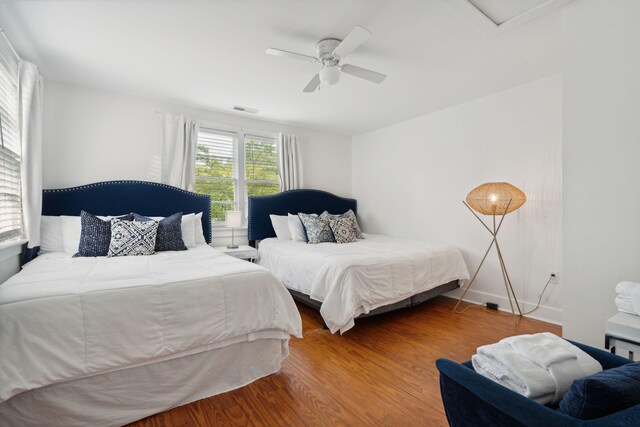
<point>94,135</point>
<point>601,164</point>
<point>410,179</point>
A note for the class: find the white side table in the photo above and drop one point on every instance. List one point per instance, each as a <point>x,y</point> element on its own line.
<point>242,252</point>
<point>623,333</point>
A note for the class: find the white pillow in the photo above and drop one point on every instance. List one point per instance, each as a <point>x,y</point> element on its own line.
<point>296,228</point>
<point>281,226</point>
<point>198,230</point>
<point>71,228</point>
<point>51,234</point>
<point>188,230</point>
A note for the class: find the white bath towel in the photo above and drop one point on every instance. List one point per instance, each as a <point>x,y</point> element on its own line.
<point>502,364</point>
<point>541,366</point>
<point>564,361</point>
<point>625,305</point>
<point>635,300</point>
<point>626,288</point>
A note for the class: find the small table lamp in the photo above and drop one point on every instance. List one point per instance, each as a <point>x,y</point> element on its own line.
<point>495,199</point>
<point>233,219</point>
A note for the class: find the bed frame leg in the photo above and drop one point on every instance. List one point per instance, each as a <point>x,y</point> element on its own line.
<point>324,326</point>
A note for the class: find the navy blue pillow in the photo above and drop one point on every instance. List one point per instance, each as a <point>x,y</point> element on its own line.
<point>169,237</point>
<point>95,235</point>
<point>603,393</point>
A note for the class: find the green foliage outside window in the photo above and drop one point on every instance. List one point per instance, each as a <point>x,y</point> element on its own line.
<point>215,174</point>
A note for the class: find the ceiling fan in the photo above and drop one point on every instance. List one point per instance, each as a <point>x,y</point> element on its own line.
<point>330,54</point>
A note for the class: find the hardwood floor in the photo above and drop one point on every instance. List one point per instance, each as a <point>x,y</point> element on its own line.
<point>382,372</point>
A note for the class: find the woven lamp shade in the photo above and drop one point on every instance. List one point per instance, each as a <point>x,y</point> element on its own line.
<point>492,198</point>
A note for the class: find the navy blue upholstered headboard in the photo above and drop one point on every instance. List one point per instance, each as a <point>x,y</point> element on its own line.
<point>121,197</point>
<point>294,201</point>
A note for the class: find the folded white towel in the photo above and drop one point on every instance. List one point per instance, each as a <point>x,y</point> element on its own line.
<point>626,288</point>
<point>502,364</point>
<point>625,305</point>
<point>635,300</point>
<point>541,366</point>
<point>564,361</point>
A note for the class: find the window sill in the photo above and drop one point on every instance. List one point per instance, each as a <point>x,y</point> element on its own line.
<point>226,231</point>
<point>11,248</point>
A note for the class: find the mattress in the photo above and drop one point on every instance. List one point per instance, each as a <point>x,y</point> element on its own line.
<point>65,318</point>
<point>354,278</point>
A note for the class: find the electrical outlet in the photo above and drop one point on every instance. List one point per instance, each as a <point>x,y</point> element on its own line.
<point>555,277</point>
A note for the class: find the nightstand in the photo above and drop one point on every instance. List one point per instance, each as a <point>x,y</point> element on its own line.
<point>243,252</point>
<point>622,333</point>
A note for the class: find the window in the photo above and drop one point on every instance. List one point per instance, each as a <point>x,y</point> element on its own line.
<point>10,198</point>
<point>231,166</point>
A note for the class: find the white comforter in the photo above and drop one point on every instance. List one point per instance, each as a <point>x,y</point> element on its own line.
<point>354,278</point>
<point>64,318</point>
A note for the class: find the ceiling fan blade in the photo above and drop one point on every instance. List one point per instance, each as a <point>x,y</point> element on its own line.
<point>356,37</point>
<point>363,73</point>
<point>292,55</point>
<point>313,84</point>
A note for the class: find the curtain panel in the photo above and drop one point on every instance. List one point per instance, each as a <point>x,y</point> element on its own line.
<point>289,162</point>
<point>30,110</point>
<point>178,153</point>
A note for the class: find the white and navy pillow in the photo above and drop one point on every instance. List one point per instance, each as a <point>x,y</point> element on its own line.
<point>95,235</point>
<point>317,229</point>
<point>132,238</point>
<point>169,237</point>
<point>344,229</point>
<point>349,214</point>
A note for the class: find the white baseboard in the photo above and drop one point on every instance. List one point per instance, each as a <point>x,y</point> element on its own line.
<point>544,313</point>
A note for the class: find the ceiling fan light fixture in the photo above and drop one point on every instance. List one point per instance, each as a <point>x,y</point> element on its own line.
<point>330,75</point>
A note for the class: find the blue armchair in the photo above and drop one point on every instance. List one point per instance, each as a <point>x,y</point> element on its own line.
<point>473,400</point>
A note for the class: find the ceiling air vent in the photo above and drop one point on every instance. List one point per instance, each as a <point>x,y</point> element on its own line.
<point>245,109</point>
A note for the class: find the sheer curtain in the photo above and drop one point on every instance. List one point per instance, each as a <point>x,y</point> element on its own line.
<point>30,87</point>
<point>178,153</point>
<point>289,162</point>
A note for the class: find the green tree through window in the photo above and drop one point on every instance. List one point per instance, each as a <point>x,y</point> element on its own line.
<point>232,166</point>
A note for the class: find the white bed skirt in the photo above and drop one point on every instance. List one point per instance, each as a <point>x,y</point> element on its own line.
<point>120,397</point>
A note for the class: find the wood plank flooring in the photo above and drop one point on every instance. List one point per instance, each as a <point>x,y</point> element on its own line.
<point>380,373</point>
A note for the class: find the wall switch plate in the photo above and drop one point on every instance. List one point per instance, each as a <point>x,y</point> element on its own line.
<point>554,277</point>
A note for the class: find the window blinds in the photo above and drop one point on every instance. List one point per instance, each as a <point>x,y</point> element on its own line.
<point>261,158</point>
<point>10,191</point>
<point>217,169</point>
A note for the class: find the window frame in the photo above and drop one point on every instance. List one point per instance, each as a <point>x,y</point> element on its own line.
<point>11,156</point>
<point>241,200</point>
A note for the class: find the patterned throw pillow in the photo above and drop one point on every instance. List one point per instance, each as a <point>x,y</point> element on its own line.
<point>169,237</point>
<point>318,230</point>
<point>95,235</point>
<point>343,230</point>
<point>132,238</point>
<point>349,214</point>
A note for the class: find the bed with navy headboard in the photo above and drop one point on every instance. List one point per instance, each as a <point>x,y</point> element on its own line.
<point>303,267</point>
<point>132,327</point>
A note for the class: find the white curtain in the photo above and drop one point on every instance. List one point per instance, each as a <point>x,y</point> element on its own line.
<point>179,140</point>
<point>30,87</point>
<point>289,162</point>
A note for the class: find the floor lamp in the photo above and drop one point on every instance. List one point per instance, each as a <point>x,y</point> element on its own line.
<point>496,199</point>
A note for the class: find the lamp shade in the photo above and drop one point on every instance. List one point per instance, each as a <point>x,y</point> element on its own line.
<point>233,219</point>
<point>493,198</point>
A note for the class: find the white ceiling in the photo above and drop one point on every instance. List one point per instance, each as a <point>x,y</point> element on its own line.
<point>501,11</point>
<point>210,54</point>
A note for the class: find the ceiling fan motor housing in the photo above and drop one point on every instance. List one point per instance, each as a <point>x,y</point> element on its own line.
<point>325,50</point>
